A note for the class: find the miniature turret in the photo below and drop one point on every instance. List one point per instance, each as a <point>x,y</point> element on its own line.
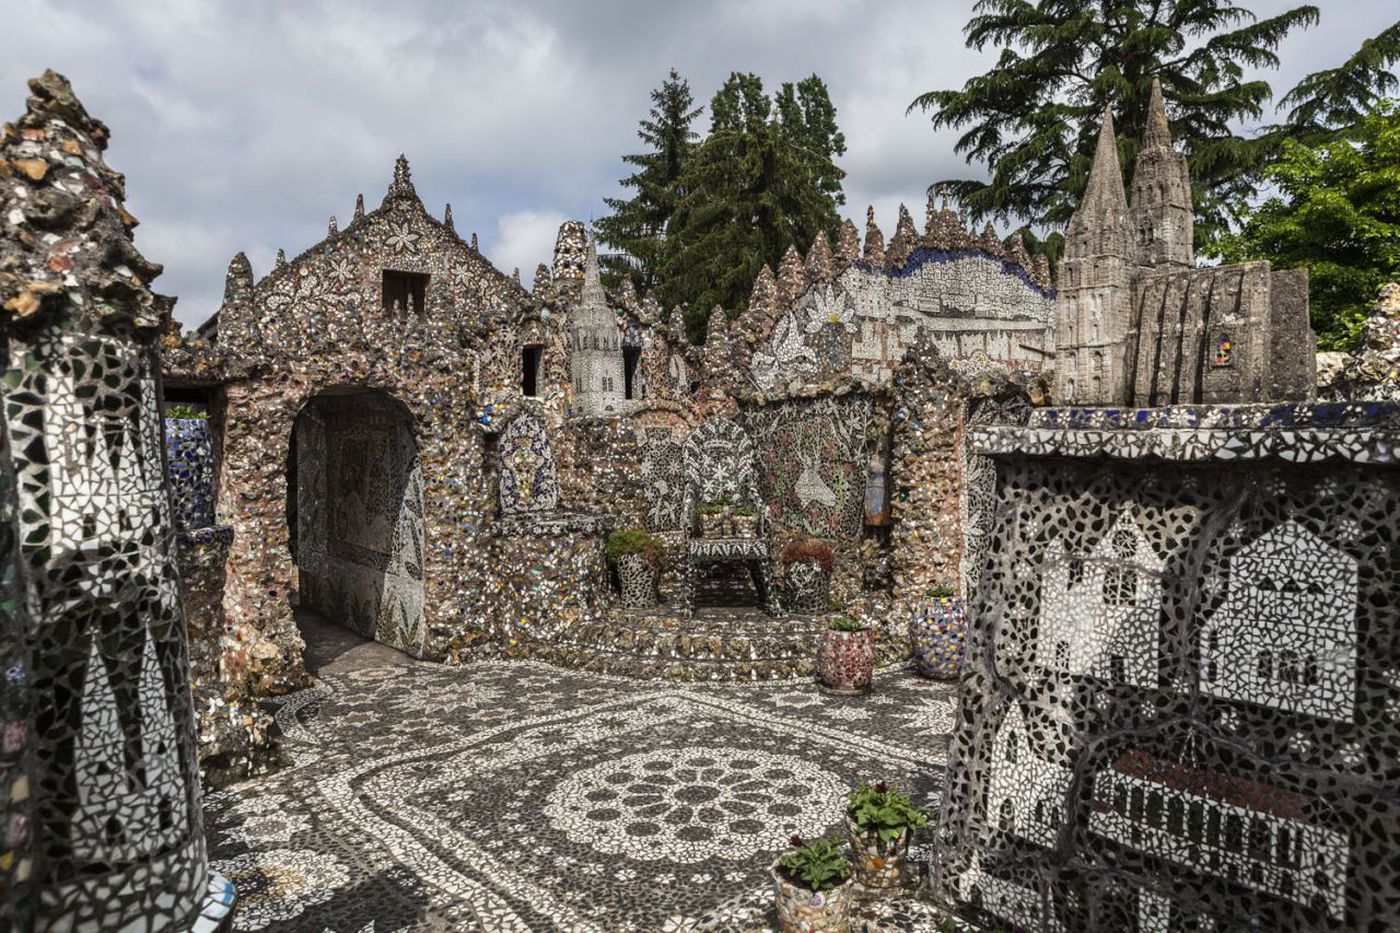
<point>905,239</point>
<point>874,239</point>
<point>571,247</point>
<point>596,358</point>
<point>1161,204</point>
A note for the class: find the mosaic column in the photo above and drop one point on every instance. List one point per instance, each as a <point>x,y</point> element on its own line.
<point>118,841</point>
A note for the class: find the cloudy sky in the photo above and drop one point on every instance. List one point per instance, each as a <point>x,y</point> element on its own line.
<point>244,125</point>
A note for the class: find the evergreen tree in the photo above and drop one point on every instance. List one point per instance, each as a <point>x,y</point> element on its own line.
<point>1337,212</point>
<point>1034,117</point>
<point>636,227</point>
<point>758,184</point>
<point>1331,101</point>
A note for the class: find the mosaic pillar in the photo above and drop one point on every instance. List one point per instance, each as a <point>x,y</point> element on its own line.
<point>118,838</point>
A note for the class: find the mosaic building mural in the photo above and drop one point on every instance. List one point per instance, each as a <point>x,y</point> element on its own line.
<point>1176,712</point>
<point>117,838</point>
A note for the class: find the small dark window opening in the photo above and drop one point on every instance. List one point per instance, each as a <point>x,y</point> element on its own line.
<point>530,369</point>
<point>631,356</point>
<point>404,292</point>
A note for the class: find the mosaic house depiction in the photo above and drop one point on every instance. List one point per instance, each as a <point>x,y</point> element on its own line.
<point>398,596</point>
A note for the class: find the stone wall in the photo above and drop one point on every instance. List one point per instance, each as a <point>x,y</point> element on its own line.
<point>1178,710</point>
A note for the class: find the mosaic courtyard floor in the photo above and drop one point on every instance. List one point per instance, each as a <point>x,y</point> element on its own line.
<point>518,796</point>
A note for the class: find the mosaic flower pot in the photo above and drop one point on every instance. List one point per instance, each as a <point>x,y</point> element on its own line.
<point>846,661</point>
<point>637,579</point>
<point>808,586</point>
<point>714,526</point>
<point>746,526</point>
<point>938,631</point>
<point>878,865</point>
<point>802,910</point>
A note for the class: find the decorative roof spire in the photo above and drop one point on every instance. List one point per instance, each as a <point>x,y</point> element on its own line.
<point>542,276</point>
<point>447,218</point>
<point>402,185</point>
<point>848,241</point>
<point>239,280</point>
<point>281,259</point>
<point>930,210</point>
<point>792,279</point>
<point>763,301</point>
<point>874,239</point>
<point>904,240</point>
<point>515,274</point>
<point>359,207</point>
<point>820,262</point>
<point>1157,133</point>
<point>474,247</point>
<point>332,228</point>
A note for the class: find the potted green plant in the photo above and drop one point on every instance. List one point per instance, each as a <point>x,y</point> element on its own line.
<point>745,521</point>
<point>638,558</point>
<point>846,656</point>
<point>714,518</point>
<point>880,821</point>
<point>938,632</point>
<point>807,564</point>
<point>814,887</point>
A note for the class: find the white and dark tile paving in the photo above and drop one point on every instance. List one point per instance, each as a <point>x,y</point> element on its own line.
<point>512,795</point>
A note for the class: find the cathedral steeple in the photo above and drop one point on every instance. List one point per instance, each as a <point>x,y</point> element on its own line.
<point>1162,217</point>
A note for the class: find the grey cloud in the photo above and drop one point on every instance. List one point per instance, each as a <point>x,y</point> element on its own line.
<point>244,125</point>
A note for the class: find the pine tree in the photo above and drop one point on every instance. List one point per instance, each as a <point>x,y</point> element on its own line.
<point>1329,102</point>
<point>758,184</point>
<point>636,227</point>
<point>1033,118</point>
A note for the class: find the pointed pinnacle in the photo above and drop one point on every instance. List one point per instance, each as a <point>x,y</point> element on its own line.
<point>332,228</point>
<point>1156,133</point>
<point>359,206</point>
<point>1105,187</point>
<point>447,218</point>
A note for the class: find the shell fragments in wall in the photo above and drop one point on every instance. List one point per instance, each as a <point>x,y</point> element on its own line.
<point>1180,707</point>
<point>117,838</point>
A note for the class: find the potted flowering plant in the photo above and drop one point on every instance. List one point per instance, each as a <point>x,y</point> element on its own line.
<point>938,631</point>
<point>807,564</point>
<point>638,558</point>
<point>814,887</point>
<point>879,823</point>
<point>846,656</point>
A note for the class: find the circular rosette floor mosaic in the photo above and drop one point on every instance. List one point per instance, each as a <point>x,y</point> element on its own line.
<point>687,805</point>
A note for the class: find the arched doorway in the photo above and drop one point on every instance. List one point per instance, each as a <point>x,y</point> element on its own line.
<point>355,515</point>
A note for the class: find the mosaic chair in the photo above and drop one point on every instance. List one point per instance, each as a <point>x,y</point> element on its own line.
<point>718,460</point>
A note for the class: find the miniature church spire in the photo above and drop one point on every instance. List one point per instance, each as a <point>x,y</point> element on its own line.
<point>1161,204</point>
<point>1105,187</point>
<point>1100,224</point>
<point>447,218</point>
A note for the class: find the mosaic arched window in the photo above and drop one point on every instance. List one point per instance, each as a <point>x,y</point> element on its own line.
<point>1224,351</point>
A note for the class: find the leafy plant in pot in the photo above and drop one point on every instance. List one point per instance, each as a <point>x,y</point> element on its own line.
<point>938,633</point>
<point>846,656</point>
<point>814,887</point>
<point>880,821</point>
<point>807,565</point>
<point>638,558</point>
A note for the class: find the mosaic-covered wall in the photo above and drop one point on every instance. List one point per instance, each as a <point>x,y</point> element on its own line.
<point>359,517</point>
<point>1180,710</point>
<point>117,835</point>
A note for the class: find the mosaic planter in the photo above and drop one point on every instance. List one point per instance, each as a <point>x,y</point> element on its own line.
<point>802,910</point>
<point>745,526</point>
<point>637,580</point>
<point>846,661</point>
<point>808,586</point>
<point>878,865</point>
<point>714,526</point>
<point>938,631</point>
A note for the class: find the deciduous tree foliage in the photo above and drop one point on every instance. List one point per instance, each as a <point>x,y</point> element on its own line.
<point>1337,212</point>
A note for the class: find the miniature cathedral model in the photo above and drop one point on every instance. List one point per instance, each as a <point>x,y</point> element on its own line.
<point>597,364</point>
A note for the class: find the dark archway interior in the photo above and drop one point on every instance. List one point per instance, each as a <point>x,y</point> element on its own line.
<point>355,515</point>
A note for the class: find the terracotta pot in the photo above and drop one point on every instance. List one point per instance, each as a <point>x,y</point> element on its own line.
<point>846,661</point>
<point>802,910</point>
<point>878,865</point>
<point>808,586</point>
<point>938,631</point>
<point>637,581</point>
